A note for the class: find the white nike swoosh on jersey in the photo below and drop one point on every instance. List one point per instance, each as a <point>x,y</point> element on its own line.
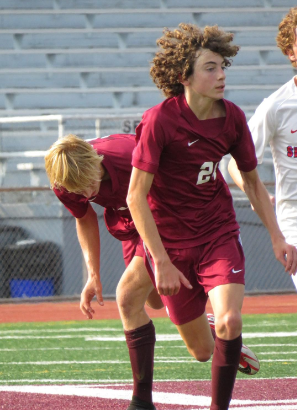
<point>236,271</point>
<point>122,208</point>
<point>191,143</point>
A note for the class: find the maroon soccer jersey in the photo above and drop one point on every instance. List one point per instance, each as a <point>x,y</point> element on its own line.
<point>189,198</point>
<point>117,151</point>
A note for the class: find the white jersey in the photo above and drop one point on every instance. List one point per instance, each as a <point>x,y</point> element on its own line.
<point>275,122</point>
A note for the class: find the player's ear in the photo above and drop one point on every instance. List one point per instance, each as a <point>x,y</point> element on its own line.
<point>183,82</point>
<point>292,52</point>
<point>291,56</point>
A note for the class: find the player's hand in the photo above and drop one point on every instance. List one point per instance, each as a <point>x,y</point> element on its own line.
<point>92,288</point>
<point>169,279</point>
<point>287,255</point>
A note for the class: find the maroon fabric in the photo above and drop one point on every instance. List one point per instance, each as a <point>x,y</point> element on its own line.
<point>132,248</point>
<point>141,344</point>
<point>224,368</point>
<point>189,198</point>
<point>206,266</point>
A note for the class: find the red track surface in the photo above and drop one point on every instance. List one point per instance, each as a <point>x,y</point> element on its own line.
<point>260,394</point>
<point>55,311</point>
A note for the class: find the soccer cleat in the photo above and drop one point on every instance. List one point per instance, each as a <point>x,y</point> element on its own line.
<point>137,404</point>
<point>249,363</point>
<point>211,320</point>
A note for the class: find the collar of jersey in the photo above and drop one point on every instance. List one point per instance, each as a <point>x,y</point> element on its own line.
<point>191,118</point>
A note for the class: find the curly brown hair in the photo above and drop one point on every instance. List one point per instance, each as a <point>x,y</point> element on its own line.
<point>287,32</point>
<point>175,62</point>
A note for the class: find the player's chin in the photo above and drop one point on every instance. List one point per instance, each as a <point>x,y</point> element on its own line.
<point>220,92</point>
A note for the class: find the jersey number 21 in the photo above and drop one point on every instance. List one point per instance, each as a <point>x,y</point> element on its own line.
<point>208,170</point>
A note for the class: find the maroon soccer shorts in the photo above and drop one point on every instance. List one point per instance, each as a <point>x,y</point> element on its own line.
<point>131,248</point>
<point>206,266</point>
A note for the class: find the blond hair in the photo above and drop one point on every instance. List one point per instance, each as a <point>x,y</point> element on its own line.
<point>175,61</point>
<point>287,33</point>
<point>73,164</point>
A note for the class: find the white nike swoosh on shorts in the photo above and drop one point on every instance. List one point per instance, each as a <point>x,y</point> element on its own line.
<point>236,271</point>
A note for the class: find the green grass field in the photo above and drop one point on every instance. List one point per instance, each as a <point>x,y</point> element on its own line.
<point>95,351</point>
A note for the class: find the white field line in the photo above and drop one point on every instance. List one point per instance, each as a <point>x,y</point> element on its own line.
<point>55,362</point>
<point>66,348</point>
<point>251,407</point>
<point>84,381</point>
<point>156,347</point>
<point>264,407</point>
<point>160,337</point>
<point>273,344</point>
<point>175,337</point>
<point>179,360</point>
<point>110,329</point>
<point>158,397</point>
<point>268,334</point>
<point>278,353</point>
<point>45,337</point>
<point>268,324</point>
<point>120,382</point>
<point>71,330</point>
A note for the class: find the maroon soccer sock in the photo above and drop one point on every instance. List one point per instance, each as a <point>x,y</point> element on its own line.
<point>141,344</point>
<point>224,368</point>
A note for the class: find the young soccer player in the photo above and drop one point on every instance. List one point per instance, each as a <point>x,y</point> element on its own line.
<point>98,171</point>
<point>181,205</point>
<point>275,122</point>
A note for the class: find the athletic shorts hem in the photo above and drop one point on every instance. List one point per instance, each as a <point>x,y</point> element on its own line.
<point>184,321</point>
<point>227,282</point>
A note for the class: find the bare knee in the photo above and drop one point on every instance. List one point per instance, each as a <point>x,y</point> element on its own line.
<point>130,296</point>
<point>201,354</point>
<point>123,299</point>
<point>229,325</point>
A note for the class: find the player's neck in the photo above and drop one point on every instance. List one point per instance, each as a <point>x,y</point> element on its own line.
<point>295,80</point>
<point>205,108</point>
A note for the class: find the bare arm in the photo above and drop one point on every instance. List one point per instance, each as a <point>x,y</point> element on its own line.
<point>168,278</point>
<point>250,183</point>
<point>89,238</point>
<point>237,178</point>
<point>235,173</point>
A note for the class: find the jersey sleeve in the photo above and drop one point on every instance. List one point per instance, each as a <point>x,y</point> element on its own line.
<point>243,151</point>
<point>150,141</point>
<point>76,204</point>
<point>262,126</point>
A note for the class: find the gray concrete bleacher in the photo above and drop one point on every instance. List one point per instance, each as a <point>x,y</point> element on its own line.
<point>73,56</point>
<point>78,57</point>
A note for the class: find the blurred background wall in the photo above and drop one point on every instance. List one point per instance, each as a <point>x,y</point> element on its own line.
<point>82,66</point>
